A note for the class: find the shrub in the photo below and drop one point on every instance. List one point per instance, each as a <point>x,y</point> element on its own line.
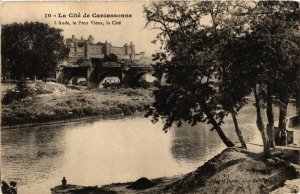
<point>88,110</point>
<point>127,109</point>
<point>22,91</point>
<point>9,97</point>
<point>113,111</point>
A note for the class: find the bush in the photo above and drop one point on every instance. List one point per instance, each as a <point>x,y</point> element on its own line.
<point>127,109</point>
<point>23,88</point>
<point>22,91</point>
<point>88,110</point>
<point>113,111</point>
<point>9,97</point>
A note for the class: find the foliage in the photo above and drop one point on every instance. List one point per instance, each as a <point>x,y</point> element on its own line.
<point>190,63</point>
<point>273,47</point>
<point>75,104</point>
<point>184,64</point>
<point>31,48</point>
<point>22,91</point>
<point>274,41</point>
<point>215,53</point>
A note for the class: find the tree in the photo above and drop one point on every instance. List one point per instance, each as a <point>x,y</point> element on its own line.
<point>232,28</point>
<point>190,65</point>
<point>30,49</point>
<point>211,67</point>
<point>272,54</point>
<point>233,87</point>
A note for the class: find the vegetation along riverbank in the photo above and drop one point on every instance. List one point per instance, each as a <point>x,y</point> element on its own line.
<point>51,101</point>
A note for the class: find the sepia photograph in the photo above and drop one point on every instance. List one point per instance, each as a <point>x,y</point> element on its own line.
<point>150,97</point>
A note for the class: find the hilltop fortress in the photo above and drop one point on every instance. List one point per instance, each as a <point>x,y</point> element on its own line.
<point>87,49</point>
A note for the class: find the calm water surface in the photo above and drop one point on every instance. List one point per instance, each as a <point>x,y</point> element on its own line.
<point>105,151</point>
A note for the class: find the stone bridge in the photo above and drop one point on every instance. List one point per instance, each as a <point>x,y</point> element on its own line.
<point>128,73</point>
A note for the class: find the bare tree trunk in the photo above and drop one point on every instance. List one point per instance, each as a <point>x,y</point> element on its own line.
<point>298,94</point>
<point>217,127</point>
<point>237,130</point>
<point>298,102</point>
<point>220,132</point>
<point>260,125</point>
<point>270,116</point>
<point>282,122</point>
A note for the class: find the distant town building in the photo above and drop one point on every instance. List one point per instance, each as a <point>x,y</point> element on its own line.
<point>87,49</point>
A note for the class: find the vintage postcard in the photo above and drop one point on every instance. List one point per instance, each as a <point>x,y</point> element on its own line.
<point>150,97</point>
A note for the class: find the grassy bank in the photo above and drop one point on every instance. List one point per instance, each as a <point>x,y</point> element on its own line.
<point>232,171</point>
<point>58,102</point>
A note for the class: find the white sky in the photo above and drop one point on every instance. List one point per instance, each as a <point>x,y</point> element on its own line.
<point>131,29</point>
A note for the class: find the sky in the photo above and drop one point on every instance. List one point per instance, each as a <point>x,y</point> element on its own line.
<point>131,29</point>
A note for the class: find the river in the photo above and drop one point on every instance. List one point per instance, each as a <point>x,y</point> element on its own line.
<point>103,151</point>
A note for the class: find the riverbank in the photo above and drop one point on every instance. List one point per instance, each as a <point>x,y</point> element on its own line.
<point>232,171</point>
<point>58,103</point>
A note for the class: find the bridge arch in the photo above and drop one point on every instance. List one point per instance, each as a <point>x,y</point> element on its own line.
<point>70,73</point>
<point>95,74</point>
<point>132,78</point>
<point>104,74</point>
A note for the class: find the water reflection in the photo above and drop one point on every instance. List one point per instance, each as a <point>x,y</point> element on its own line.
<point>30,153</point>
<point>103,151</point>
<point>192,144</point>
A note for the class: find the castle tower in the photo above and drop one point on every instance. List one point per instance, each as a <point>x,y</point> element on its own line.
<point>87,49</point>
<point>126,49</point>
<point>91,39</point>
<point>106,48</point>
<point>132,51</point>
<point>75,47</point>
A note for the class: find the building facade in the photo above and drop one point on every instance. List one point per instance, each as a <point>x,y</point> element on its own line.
<point>87,49</point>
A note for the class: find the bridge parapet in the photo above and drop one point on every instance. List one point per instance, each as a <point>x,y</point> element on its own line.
<point>126,66</point>
<point>111,64</point>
